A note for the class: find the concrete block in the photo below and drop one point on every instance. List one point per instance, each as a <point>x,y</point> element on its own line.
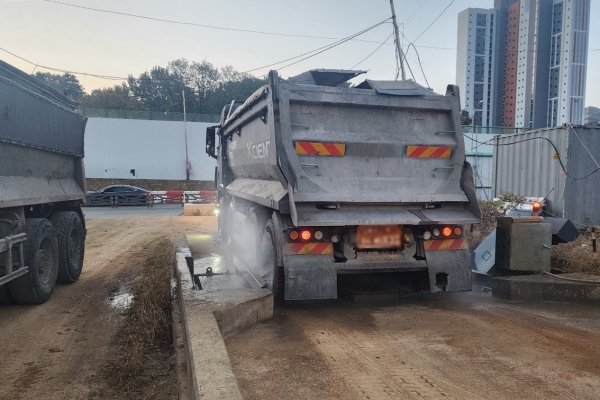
<point>545,288</point>
<point>208,315</point>
<point>198,210</point>
<point>522,244</point>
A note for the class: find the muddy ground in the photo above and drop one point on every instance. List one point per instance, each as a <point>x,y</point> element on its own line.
<point>461,346</point>
<point>458,346</point>
<point>57,350</point>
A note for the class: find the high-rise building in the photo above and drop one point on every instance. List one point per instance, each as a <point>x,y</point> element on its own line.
<point>476,64</point>
<point>534,62</point>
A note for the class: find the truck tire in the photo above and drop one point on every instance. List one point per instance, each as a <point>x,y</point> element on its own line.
<point>41,256</point>
<point>71,245</point>
<point>5,295</point>
<point>272,274</point>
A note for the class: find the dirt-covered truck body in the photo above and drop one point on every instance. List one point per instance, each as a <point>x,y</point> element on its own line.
<point>316,180</point>
<point>42,187</point>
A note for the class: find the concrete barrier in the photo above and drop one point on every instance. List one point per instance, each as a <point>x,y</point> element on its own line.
<point>207,315</point>
<point>545,288</point>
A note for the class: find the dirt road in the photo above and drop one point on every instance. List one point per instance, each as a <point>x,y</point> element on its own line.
<point>462,346</point>
<point>56,350</point>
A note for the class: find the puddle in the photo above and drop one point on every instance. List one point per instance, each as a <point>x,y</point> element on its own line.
<point>214,260</point>
<point>121,301</point>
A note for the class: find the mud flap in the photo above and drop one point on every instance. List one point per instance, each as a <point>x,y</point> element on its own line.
<point>309,277</point>
<point>449,270</point>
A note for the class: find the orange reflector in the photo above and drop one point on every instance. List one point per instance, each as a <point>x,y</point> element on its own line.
<point>537,207</point>
<point>445,244</point>
<point>428,151</point>
<point>447,231</point>
<point>305,235</point>
<point>320,149</point>
<point>457,231</point>
<point>294,235</point>
<point>308,248</point>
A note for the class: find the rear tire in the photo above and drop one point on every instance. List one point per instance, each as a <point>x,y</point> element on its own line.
<point>5,295</point>
<point>41,256</point>
<point>272,274</point>
<point>71,245</point>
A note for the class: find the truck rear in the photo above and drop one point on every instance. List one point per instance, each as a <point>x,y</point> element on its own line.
<point>316,180</point>
<point>42,187</point>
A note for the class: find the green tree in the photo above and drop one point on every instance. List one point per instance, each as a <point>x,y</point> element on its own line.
<point>465,118</point>
<point>207,88</point>
<point>118,97</point>
<point>66,84</point>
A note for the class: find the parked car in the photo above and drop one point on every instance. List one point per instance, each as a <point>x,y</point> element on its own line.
<point>120,195</point>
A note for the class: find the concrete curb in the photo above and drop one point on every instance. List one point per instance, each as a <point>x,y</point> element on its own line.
<point>545,288</point>
<point>205,317</point>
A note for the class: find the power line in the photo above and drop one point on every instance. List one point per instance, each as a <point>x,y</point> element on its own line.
<point>195,24</point>
<point>419,59</point>
<point>63,70</point>
<point>430,25</point>
<point>537,138</point>
<point>373,52</point>
<point>319,50</point>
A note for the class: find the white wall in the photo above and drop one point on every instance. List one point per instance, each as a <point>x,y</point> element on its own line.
<point>155,149</point>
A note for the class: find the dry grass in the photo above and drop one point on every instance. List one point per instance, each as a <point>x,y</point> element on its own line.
<point>490,210</point>
<point>577,256</point>
<point>146,332</point>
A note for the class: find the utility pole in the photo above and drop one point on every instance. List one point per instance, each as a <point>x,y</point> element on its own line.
<point>398,48</point>
<point>187,159</point>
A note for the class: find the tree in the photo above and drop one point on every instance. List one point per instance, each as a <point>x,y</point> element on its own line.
<point>465,118</point>
<point>66,84</point>
<point>118,97</point>
<point>207,89</point>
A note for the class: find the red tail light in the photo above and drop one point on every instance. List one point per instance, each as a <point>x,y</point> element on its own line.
<point>305,235</point>
<point>537,207</point>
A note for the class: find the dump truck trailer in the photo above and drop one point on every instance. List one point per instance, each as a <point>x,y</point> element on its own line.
<point>316,180</point>
<point>42,187</point>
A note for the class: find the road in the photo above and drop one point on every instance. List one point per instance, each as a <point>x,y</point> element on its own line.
<point>453,346</point>
<point>462,346</point>
<point>56,350</point>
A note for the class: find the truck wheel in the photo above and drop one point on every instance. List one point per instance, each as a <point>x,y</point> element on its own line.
<point>41,256</point>
<point>271,273</point>
<point>71,245</point>
<point>5,295</point>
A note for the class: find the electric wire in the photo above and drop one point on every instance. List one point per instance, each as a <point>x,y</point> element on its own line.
<point>196,24</point>
<point>373,52</point>
<point>538,138</point>
<point>319,50</point>
<point>419,59</point>
<point>434,21</point>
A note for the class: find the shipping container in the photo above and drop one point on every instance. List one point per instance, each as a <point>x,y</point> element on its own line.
<point>561,164</point>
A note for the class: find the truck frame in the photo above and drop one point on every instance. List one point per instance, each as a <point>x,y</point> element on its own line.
<point>316,180</point>
<point>42,187</point>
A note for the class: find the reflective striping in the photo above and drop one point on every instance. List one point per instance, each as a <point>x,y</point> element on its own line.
<point>428,151</point>
<point>320,149</point>
<point>445,244</point>
<point>308,248</point>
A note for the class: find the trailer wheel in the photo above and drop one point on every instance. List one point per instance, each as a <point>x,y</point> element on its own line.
<point>272,274</point>
<point>71,245</point>
<point>41,256</point>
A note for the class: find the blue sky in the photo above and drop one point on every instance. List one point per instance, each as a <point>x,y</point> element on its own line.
<point>81,40</point>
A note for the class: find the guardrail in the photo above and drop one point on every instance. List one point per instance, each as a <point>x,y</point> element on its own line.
<point>151,198</point>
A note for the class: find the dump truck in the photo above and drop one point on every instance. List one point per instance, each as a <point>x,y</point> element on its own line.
<point>42,187</point>
<point>317,179</point>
